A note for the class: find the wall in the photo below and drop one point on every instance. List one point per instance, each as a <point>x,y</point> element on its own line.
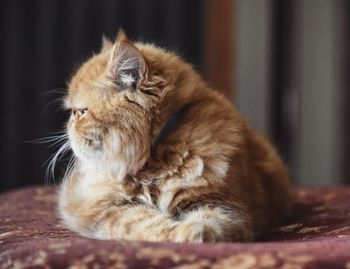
<point>290,81</point>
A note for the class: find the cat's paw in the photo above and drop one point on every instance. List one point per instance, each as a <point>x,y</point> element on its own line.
<point>195,232</point>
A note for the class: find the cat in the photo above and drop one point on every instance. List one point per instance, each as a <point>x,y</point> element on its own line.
<point>160,156</point>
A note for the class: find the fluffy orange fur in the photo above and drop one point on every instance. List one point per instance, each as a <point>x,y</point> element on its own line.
<point>209,179</point>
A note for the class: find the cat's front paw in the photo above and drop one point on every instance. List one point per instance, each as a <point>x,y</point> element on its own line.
<point>196,232</point>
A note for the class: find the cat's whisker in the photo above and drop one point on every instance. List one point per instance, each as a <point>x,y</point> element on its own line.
<point>59,132</point>
<point>50,135</point>
<point>70,168</point>
<point>50,171</point>
<point>56,90</point>
<point>50,139</point>
<point>55,140</point>
<point>60,95</point>
<point>59,101</point>
<point>42,140</point>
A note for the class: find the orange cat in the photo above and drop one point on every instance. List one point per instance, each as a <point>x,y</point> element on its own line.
<point>162,157</point>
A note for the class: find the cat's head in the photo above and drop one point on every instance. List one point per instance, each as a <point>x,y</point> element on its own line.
<point>117,99</point>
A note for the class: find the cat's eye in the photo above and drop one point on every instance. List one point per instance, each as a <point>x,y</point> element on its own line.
<point>79,112</point>
<point>82,111</point>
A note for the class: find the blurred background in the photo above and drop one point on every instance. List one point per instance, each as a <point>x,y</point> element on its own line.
<point>283,63</point>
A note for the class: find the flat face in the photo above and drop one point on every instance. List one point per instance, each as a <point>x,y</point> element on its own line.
<point>89,91</point>
<point>107,116</point>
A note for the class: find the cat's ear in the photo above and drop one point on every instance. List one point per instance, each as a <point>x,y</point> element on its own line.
<point>121,36</point>
<point>106,44</point>
<point>126,64</point>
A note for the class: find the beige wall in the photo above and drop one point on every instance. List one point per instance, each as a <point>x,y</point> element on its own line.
<point>315,77</point>
<point>252,60</point>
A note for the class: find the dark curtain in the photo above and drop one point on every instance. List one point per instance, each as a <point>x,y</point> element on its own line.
<point>283,111</point>
<point>346,98</point>
<point>44,41</point>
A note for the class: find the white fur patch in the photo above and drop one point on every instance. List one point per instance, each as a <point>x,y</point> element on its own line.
<point>220,168</point>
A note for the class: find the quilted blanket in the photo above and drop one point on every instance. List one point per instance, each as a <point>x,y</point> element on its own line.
<point>317,235</point>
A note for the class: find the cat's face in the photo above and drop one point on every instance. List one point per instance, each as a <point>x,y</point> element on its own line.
<point>112,108</point>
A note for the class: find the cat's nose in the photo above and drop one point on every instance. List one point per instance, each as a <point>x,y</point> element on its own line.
<point>77,113</point>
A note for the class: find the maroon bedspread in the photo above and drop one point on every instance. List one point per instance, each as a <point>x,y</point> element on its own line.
<point>317,236</point>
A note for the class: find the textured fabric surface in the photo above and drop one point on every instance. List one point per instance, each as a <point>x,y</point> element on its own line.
<point>316,236</point>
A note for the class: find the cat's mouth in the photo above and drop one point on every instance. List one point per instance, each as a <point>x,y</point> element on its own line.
<point>91,140</point>
<point>85,145</point>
